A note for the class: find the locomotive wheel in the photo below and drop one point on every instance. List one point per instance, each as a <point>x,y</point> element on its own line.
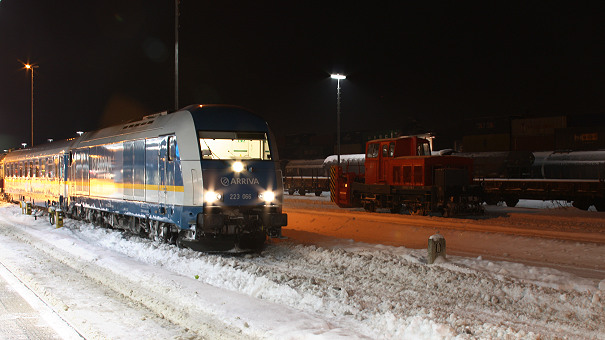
<point>156,232</point>
<point>369,207</point>
<point>396,209</point>
<point>142,231</point>
<point>600,205</point>
<point>291,191</point>
<point>302,192</point>
<point>581,204</point>
<point>418,211</point>
<point>318,193</point>
<point>95,219</point>
<point>491,201</point>
<point>511,202</point>
<point>172,237</point>
<point>447,212</point>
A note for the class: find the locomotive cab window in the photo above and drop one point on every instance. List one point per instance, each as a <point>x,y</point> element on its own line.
<point>234,145</point>
<point>424,149</point>
<point>372,150</point>
<point>385,150</point>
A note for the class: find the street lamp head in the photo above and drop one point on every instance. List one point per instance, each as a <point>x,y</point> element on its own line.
<point>29,66</point>
<point>338,76</point>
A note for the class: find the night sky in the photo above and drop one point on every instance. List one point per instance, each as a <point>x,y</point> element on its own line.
<point>435,63</point>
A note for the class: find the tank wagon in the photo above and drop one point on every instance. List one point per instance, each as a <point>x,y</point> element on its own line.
<point>205,177</point>
<point>400,173</point>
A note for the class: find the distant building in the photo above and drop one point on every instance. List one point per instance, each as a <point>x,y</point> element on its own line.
<point>484,134</point>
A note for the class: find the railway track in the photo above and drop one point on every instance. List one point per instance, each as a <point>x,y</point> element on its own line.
<point>563,223</point>
<point>566,239</point>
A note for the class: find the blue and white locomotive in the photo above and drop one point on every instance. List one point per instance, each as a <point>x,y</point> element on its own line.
<point>205,177</point>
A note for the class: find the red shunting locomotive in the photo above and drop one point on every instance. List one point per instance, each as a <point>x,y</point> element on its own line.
<point>401,174</point>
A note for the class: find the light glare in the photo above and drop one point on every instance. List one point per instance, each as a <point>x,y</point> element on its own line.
<point>267,196</point>
<point>238,167</point>
<point>338,76</point>
<point>211,197</point>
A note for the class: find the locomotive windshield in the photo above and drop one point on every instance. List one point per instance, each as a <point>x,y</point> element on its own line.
<point>424,148</point>
<point>234,145</point>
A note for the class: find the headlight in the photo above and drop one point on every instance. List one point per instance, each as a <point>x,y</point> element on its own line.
<point>267,196</point>
<point>237,167</point>
<point>211,197</point>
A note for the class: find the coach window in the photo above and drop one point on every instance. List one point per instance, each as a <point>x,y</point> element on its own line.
<point>391,149</point>
<point>385,150</point>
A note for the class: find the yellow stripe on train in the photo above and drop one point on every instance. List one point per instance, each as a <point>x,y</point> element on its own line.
<point>102,185</point>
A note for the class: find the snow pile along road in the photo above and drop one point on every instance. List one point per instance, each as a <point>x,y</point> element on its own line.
<point>107,284</point>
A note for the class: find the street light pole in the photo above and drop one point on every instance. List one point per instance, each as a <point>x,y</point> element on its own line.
<point>338,78</point>
<point>31,68</point>
<point>176,55</point>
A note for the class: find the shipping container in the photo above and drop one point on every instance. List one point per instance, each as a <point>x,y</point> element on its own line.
<point>483,143</point>
<point>545,126</point>
<point>487,125</point>
<point>533,143</point>
<point>580,138</point>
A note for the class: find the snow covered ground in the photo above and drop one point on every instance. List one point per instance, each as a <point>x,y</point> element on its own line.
<point>105,284</point>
